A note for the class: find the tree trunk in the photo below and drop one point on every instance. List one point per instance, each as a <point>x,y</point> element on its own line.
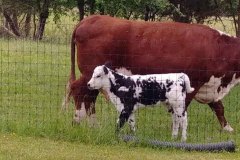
<point>146,14</point>
<point>5,32</point>
<point>27,25</point>
<point>34,25</point>
<point>153,16</point>
<point>92,6</point>
<point>233,15</point>
<point>14,27</point>
<point>101,8</point>
<point>238,20</point>
<point>6,25</point>
<point>44,13</point>
<point>15,19</point>
<point>80,4</point>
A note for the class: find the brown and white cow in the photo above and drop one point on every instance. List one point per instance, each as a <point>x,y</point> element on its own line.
<point>209,57</point>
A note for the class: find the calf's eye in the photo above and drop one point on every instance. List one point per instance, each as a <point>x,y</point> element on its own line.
<point>98,76</point>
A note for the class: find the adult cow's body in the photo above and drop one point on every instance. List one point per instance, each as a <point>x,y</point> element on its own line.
<point>150,48</point>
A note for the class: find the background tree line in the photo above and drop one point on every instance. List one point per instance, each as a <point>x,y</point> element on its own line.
<point>22,15</point>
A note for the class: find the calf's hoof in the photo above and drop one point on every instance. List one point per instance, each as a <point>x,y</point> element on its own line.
<point>174,137</point>
<point>184,139</point>
<point>117,130</point>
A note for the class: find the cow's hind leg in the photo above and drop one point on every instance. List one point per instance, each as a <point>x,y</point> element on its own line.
<point>218,108</point>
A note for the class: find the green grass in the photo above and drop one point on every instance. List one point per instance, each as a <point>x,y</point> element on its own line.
<point>33,76</point>
<point>32,148</point>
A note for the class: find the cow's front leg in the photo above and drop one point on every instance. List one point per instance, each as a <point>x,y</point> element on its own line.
<point>84,101</point>
<point>218,108</point>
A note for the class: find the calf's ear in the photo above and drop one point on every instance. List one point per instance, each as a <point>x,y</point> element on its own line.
<point>105,70</point>
<point>108,64</point>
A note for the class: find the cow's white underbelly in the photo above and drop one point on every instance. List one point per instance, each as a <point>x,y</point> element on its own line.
<point>212,91</point>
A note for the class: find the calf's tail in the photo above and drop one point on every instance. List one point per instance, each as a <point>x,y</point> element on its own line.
<point>189,89</point>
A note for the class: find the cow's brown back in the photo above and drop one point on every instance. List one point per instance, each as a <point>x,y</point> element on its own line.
<point>147,47</point>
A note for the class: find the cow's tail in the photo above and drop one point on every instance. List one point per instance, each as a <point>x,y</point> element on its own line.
<point>72,73</point>
<point>72,76</point>
<point>189,89</point>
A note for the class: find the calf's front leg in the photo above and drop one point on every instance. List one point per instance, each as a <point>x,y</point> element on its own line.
<point>131,122</point>
<point>124,116</point>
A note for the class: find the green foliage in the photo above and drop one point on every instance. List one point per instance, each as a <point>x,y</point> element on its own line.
<point>130,8</point>
<point>183,11</point>
<point>61,8</point>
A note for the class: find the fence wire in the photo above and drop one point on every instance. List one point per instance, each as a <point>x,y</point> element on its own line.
<point>33,76</point>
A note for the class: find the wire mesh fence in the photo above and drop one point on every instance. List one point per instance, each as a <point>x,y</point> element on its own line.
<point>33,76</point>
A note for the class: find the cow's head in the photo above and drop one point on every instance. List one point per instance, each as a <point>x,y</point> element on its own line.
<point>100,78</point>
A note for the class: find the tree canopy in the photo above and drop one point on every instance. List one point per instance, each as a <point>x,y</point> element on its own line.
<point>20,16</point>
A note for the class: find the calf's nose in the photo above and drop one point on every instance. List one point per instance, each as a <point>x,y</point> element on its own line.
<point>89,86</point>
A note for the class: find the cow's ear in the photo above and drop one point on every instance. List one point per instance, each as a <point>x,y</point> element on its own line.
<point>105,69</point>
<point>108,64</point>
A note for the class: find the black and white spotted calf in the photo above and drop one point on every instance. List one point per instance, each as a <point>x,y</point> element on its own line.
<point>128,93</point>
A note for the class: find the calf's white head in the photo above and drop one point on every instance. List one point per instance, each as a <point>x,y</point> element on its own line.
<point>100,78</point>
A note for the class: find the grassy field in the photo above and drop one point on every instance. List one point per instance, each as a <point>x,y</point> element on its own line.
<point>32,83</point>
<point>32,148</point>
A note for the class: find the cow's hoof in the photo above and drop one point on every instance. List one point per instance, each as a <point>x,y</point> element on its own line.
<point>92,121</point>
<point>74,123</point>
<point>228,128</point>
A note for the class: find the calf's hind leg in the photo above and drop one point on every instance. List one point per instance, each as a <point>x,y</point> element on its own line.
<point>179,121</point>
<point>183,125</point>
<point>179,117</point>
<point>175,126</point>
